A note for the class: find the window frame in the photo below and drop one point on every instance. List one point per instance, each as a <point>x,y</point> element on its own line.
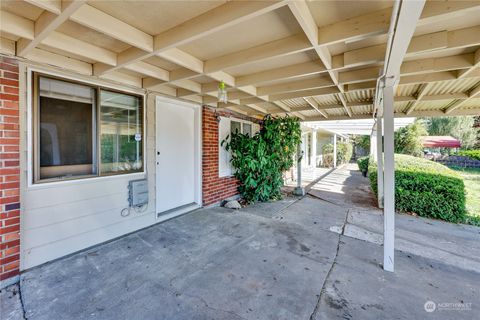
<point>222,173</point>
<point>33,130</point>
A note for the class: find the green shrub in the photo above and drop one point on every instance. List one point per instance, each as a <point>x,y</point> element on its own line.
<point>259,161</point>
<point>362,163</point>
<point>474,154</point>
<point>327,155</point>
<point>344,153</point>
<point>426,188</point>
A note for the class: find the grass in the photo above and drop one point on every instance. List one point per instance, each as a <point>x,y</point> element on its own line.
<point>471,179</point>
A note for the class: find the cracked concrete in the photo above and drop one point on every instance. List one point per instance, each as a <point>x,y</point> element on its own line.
<point>290,259</point>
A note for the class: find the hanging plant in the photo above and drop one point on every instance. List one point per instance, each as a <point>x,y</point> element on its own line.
<point>259,161</point>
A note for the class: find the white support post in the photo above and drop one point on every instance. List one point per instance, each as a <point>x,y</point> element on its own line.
<point>379,158</point>
<point>373,143</point>
<point>389,182</point>
<point>313,159</point>
<point>334,150</point>
<point>299,191</point>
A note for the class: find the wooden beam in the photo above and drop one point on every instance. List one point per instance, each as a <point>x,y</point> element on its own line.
<point>472,94</point>
<point>100,21</point>
<point>183,73</point>
<point>69,44</point>
<point>360,75</point>
<point>183,59</point>
<point>149,70</point>
<point>303,93</point>
<point>212,21</point>
<point>320,82</point>
<point>314,105</point>
<point>289,72</point>
<point>7,46</point>
<point>463,61</point>
<point>277,48</point>
<point>219,18</point>
<point>304,17</point>
<point>439,11</point>
<point>476,64</point>
<point>418,97</point>
<point>53,6</point>
<point>61,61</point>
<point>16,25</point>
<point>46,24</point>
<point>357,28</point>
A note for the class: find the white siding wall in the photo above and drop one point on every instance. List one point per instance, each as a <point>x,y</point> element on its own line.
<point>62,218</point>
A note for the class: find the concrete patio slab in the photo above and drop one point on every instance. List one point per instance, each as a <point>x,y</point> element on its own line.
<point>275,260</point>
<point>358,288</point>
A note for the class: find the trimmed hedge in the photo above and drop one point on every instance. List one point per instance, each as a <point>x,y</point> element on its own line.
<point>362,163</point>
<point>474,154</point>
<point>426,188</point>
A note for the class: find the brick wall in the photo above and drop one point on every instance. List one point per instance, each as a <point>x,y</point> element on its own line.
<point>9,170</point>
<point>215,188</point>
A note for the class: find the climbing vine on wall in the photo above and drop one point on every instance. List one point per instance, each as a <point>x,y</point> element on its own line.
<point>259,161</point>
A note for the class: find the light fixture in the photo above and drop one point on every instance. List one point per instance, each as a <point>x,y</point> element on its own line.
<point>222,92</point>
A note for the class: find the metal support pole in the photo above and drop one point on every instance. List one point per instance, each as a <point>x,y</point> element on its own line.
<point>299,191</point>
<point>389,182</point>
<point>379,156</point>
<point>334,150</point>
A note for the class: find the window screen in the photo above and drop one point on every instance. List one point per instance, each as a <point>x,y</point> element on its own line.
<point>66,116</point>
<point>235,127</point>
<point>247,129</point>
<point>121,131</point>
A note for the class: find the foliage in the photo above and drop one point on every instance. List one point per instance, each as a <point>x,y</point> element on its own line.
<point>407,139</point>
<point>362,163</point>
<point>259,161</point>
<point>344,153</point>
<point>327,155</point>
<point>461,128</point>
<point>363,142</point>
<point>474,154</point>
<point>426,188</point>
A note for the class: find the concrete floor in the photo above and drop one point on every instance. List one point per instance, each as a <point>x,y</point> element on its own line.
<point>291,259</point>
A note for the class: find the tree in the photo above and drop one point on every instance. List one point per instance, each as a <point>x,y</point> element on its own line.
<point>408,141</point>
<point>461,128</point>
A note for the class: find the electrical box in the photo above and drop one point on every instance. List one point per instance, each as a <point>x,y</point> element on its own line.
<point>137,192</point>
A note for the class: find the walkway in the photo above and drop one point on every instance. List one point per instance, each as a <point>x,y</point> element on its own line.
<point>288,260</point>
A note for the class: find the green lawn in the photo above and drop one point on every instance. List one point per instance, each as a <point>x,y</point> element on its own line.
<point>471,178</point>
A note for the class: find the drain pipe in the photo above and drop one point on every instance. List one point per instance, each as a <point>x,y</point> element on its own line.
<point>391,32</point>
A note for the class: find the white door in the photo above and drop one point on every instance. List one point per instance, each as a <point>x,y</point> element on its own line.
<point>177,143</point>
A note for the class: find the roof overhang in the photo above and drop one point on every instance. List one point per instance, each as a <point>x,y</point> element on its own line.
<point>317,60</point>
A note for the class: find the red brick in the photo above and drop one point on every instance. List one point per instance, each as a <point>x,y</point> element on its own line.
<point>8,82</point>
<point>9,67</point>
<point>10,75</point>
<point>10,274</point>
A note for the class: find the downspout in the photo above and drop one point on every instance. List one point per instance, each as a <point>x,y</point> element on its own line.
<point>391,32</point>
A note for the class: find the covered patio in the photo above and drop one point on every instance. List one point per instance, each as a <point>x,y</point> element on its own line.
<point>113,115</point>
<point>316,257</point>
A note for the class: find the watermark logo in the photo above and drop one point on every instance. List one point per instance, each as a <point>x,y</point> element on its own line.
<point>430,306</point>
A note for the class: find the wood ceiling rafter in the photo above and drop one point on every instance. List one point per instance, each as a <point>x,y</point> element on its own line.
<point>304,17</point>
<point>254,89</point>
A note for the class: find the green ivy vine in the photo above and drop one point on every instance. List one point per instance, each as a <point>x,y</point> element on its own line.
<point>259,161</point>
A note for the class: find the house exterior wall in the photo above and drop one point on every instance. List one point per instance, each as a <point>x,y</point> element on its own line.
<point>215,188</point>
<point>59,218</point>
<point>9,170</point>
